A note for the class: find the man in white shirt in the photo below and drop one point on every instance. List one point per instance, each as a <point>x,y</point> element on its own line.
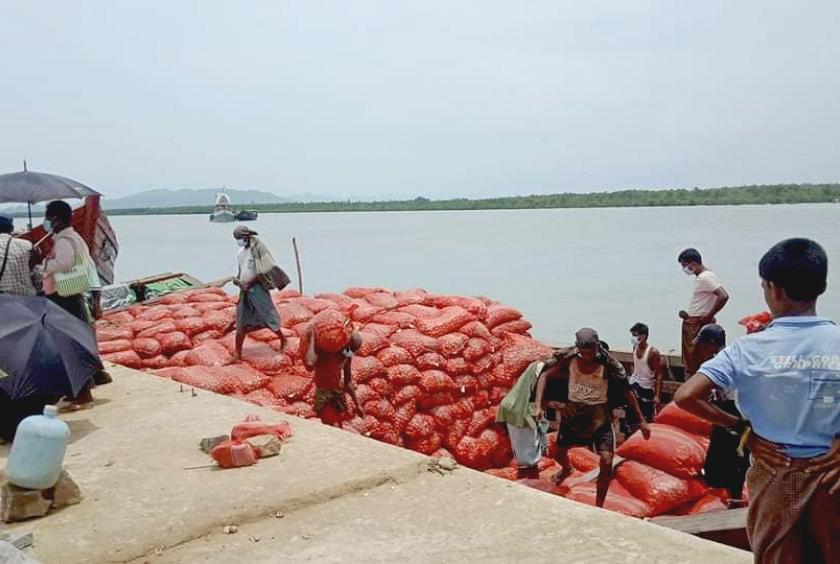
<point>708,299</point>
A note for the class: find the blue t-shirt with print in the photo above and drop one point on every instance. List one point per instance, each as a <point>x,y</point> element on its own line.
<point>787,382</point>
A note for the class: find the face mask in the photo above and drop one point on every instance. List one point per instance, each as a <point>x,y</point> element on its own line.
<point>241,242</point>
<point>48,226</point>
<point>634,341</point>
<point>688,271</point>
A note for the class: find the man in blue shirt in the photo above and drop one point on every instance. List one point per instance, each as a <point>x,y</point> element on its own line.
<point>786,380</point>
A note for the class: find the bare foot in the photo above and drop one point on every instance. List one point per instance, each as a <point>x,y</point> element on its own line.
<point>235,358</point>
<point>558,477</point>
<point>284,345</point>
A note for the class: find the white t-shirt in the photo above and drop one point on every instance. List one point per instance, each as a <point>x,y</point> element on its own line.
<point>247,269</point>
<point>703,299</point>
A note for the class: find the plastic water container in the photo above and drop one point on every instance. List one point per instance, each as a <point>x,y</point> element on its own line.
<point>38,451</point>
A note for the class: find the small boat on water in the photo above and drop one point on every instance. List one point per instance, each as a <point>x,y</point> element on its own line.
<point>223,211</point>
<point>246,215</point>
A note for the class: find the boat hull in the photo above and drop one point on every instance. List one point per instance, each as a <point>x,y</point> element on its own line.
<point>224,216</point>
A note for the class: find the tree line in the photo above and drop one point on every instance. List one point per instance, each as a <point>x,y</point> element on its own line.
<point>726,196</point>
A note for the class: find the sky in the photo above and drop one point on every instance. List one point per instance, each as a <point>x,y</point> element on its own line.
<point>370,99</point>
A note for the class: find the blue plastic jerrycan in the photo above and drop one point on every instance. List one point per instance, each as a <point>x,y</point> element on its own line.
<point>38,451</point>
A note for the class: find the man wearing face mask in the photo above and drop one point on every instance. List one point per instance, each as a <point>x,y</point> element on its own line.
<point>255,309</point>
<point>597,384</point>
<point>646,380</point>
<point>708,299</point>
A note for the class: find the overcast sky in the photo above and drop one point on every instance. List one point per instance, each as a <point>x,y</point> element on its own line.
<point>434,98</point>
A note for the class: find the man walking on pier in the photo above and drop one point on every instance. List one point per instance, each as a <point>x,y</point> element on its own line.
<point>787,382</point>
<point>708,299</point>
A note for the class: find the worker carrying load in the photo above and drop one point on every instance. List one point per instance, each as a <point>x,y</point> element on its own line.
<point>595,384</point>
<point>327,350</point>
<point>258,273</point>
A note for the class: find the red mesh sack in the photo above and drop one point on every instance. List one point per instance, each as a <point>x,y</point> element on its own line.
<point>204,377</point>
<point>381,409</point>
<point>451,319</point>
<point>419,426</point>
<point>480,420</point>
<point>386,433</point>
<point>262,396</point>
<point>293,313</point>
<point>205,336</point>
<point>380,329</point>
<point>264,335</point>
<point>474,453</point>
<point>316,305</point>
<point>365,368</point>
<point>670,449</point>
<point>220,320</point>
<point>363,425</point>
<point>301,409</point>
<point>434,381</point>
<point>407,393</point>
<point>428,401</point>
<point>414,342</point>
<point>408,297</point>
<point>117,345</point>
<point>206,298</point>
<point>497,394</point>
<point>624,504</point>
<point>118,317</point>
<point>660,490</point>
<point>365,393</point>
<point>443,415</point>
<point>519,352</point>
<point>481,399</point>
<point>452,344</point>
<point>185,312</point>
<point>503,453</point>
<point>190,325</point>
<point>154,313</point>
<point>498,314</point>
<point>146,347</point>
<point>245,378</point>
<point>175,298</point>
<point>675,416</point>
<point>583,459</point>
<point>289,387</point>
<point>476,329</point>
<point>457,366</point>
<point>454,433</point>
<point>431,361</point>
<point>426,445</point>
<point>167,372</point>
<point>210,307</point>
<point>363,313</point>
<point>363,291</point>
<point>231,454</point>
<point>113,333</point>
<point>382,299</point>
<point>483,365</point>
<point>473,305</point>
<point>178,359</point>
<point>159,361</point>
<point>403,414</point>
<point>394,355</point>
<point>174,342</point>
<point>420,311</point>
<point>371,343</point>
<point>156,329</point>
<point>339,299</point>
<point>382,387</point>
<point>519,326</point>
<point>504,473</point>
<point>210,353</point>
<point>403,374</point>
<point>265,359</point>
<point>332,330</point>
<point>397,318</point>
<point>246,429</point>
<point>467,384</point>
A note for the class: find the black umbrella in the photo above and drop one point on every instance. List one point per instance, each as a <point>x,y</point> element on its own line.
<point>32,187</point>
<point>43,349</point>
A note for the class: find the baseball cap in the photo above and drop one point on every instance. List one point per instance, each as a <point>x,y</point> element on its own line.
<point>241,231</point>
<point>711,333</point>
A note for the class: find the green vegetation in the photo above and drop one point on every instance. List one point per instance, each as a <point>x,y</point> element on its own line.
<point>729,196</point>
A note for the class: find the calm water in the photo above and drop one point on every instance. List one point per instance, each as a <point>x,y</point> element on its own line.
<point>563,268</point>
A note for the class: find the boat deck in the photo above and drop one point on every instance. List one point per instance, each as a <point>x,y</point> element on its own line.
<point>341,497</point>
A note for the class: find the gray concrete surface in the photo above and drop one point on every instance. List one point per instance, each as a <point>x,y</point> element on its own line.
<point>342,497</point>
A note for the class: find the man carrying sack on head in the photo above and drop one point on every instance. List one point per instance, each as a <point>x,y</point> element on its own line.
<point>258,273</point>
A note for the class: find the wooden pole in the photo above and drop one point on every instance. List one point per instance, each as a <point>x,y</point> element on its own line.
<point>297,262</point>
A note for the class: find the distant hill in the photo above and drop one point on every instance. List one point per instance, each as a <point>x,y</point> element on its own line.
<point>175,198</point>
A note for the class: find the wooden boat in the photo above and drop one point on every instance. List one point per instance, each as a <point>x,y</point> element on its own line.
<point>246,215</point>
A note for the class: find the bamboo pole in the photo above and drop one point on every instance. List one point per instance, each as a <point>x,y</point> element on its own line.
<point>297,262</point>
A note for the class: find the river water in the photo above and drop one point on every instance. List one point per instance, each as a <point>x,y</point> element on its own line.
<point>564,268</point>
